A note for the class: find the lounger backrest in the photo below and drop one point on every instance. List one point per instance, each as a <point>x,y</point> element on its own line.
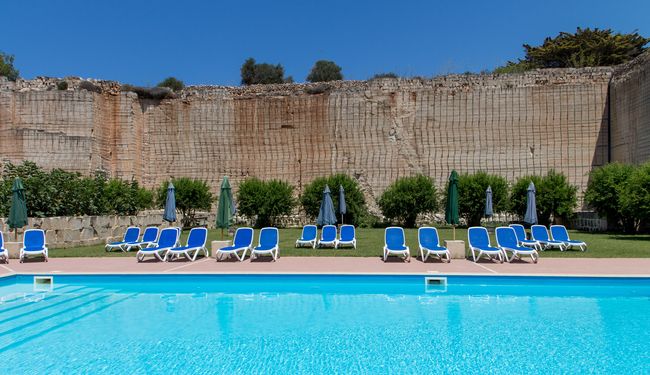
<point>506,237</point>
<point>132,234</point>
<point>197,237</point>
<point>519,231</point>
<point>539,233</point>
<point>150,234</point>
<point>269,237</point>
<point>559,233</point>
<point>168,237</point>
<point>428,237</point>
<point>2,241</point>
<point>329,233</point>
<point>34,239</point>
<point>347,232</point>
<point>309,232</point>
<point>243,237</point>
<point>394,237</point>
<point>478,237</point>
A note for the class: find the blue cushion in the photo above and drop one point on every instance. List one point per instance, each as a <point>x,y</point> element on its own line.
<point>231,248</point>
<point>264,248</point>
<point>34,248</point>
<point>397,248</point>
<point>435,248</point>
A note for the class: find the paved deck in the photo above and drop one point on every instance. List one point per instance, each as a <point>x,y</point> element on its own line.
<point>128,265</point>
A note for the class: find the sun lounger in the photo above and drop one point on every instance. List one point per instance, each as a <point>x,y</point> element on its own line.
<point>508,242</point>
<point>395,243</point>
<point>242,242</point>
<point>33,244</point>
<point>131,235</point>
<point>520,231</point>
<point>4,254</point>
<point>149,237</point>
<point>559,233</point>
<point>479,243</point>
<point>328,236</point>
<point>540,234</point>
<point>168,239</point>
<point>429,243</point>
<point>268,243</point>
<point>195,244</point>
<point>308,236</point>
<point>348,236</point>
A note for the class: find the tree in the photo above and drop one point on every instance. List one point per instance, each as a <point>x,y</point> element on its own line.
<point>555,197</point>
<point>253,73</point>
<point>471,195</point>
<point>325,70</point>
<point>606,191</point>
<point>355,202</point>
<point>636,193</point>
<point>265,201</point>
<point>586,47</point>
<point>385,75</point>
<point>408,197</point>
<point>172,83</point>
<point>7,68</point>
<point>191,195</point>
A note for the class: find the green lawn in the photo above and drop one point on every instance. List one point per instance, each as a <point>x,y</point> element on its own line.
<point>370,243</point>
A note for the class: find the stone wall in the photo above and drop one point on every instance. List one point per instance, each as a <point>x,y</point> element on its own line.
<point>630,107</point>
<point>375,131</point>
<point>72,231</point>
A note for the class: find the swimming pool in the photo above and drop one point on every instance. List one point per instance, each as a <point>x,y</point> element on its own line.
<point>323,324</point>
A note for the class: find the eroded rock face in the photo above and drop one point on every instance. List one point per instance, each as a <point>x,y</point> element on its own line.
<point>375,131</point>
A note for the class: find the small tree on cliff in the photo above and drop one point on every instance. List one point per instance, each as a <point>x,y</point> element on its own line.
<point>325,70</point>
<point>586,47</point>
<point>172,83</point>
<point>253,73</point>
<point>7,68</point>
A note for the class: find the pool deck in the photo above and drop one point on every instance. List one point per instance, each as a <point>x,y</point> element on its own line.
<point>334,265</point>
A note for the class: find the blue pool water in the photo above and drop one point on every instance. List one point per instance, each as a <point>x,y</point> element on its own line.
<point>202,324</point>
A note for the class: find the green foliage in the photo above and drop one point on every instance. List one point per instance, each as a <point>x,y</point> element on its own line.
<point>325,70</point>
<point>385,75</point>
<point>7,68</point>
<point>89,86</point>
<point>636,193</point>
<point>191,195</point>
<point>172,83</point>
<point>62,193</point>
<point>155,93</point>
<point>471,195</point>
<point>408,197</point>
<point>355,202</point>
<point>606,191</point>
<point>62,85</point>
<point>253,73</point>
<point>586,47</point>
<point>555,197</point>
<point>265,200</point>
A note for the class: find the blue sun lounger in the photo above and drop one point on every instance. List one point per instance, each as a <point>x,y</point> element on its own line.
<point>348,237</point>
<point>540,234</point>
<point>479,243</point>
<point>328,236</point>
<point>508,242</point>
<point>168,239</point>
<point>269,243</point>
<point>195,244</point>
<point>308,236</point>
<point>520,231</point>
<point>149,237</point>
<point>33,244</point>
<point>559,233</point>
<point>242,242</point>
<point>130,236</point>
<point>395,243</point>
<point>4,254</point>
<point>429,243</point>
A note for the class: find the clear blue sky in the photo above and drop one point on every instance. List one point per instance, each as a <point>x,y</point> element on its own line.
<point>205,42</point>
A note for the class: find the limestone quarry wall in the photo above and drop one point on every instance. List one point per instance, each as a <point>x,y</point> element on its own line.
<point>375,131</point>
<point>630,108</point>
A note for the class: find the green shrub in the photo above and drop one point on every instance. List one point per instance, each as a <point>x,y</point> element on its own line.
<point>7,68</point>
<point>89,86</point>
<point>191,195</point>
<point>555,197</point>
<point>471,195</point>
<point>172,83</point>
<point>62,85</point>
<point>265,201</point>
<point>325,70</point>
<point>355,202</point>
<point>605,193</point>
<point>385,75</point>
<point>408,197</point>
<point>155,93</point>
<point>636,194</point>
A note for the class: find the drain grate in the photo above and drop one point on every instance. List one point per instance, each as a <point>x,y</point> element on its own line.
<point>435,284</point>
